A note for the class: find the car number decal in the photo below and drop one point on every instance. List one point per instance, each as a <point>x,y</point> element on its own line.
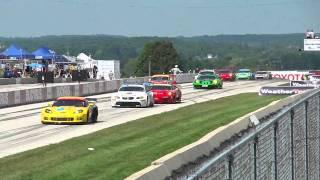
<point>60,109</point>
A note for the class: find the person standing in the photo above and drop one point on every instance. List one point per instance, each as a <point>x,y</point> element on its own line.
<point>43,77</point>
<point>175,70</point>
<point>110,75</point>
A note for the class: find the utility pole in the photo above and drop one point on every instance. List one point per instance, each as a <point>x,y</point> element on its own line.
<point>149,67</point>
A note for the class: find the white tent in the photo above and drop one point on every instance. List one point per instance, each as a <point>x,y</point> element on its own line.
<point>86,61</point>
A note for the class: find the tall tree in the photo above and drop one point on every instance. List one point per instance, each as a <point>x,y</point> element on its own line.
<point>161,55</point>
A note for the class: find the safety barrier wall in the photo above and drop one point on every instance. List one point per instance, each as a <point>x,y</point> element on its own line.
<point>284,145</point>
<point>6,81</point>
<point>34,95</point>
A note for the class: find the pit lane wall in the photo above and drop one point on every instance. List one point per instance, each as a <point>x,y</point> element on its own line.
<point>28,96</point>
<point>165,166</point>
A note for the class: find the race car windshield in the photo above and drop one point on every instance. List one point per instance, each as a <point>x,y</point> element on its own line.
<point>244,71</point>
<point>224,72</point>
<point>161,87</point>
<point>206,73</point>
<point>132,88</point>
<point>206,77</point>
<point>75,103</point>
<point>160,78</point>
<point>261,72</point>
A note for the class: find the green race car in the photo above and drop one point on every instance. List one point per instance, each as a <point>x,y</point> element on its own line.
<point>244,74</point>
<point>207,81</point>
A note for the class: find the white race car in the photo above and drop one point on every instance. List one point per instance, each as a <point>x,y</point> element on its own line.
<point>262,75</point>
<point>133,95</point>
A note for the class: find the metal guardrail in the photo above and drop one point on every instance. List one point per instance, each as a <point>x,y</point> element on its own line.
<point>284,146</point>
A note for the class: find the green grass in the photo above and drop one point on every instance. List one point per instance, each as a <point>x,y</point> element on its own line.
<point>127,148</point>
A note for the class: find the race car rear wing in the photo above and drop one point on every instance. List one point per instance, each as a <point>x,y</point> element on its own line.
<point>92,100</point>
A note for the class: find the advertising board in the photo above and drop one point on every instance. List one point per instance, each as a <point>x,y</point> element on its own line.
<point>282,90</point>
<point>311,45</point>
<point>314,84</point>
<point>290,75</point>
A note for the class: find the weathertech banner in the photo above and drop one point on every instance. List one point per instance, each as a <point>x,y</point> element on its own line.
<point>282,90</point>
<point>305,83</point>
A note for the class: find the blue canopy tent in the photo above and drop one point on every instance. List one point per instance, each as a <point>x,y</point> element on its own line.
<point>16,52</point>
<point>2,56</point>
<point>44,53</point>
<point>62,59</point>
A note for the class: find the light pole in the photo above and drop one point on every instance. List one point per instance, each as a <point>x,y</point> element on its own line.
<point>149,66</point>
<point>78,73</point>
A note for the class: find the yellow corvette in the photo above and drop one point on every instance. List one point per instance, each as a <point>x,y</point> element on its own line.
<point>70,110</point>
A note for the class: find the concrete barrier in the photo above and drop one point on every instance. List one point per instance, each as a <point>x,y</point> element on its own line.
<point>7,81</point>
<point>27,96</point>
<point>173,161</point>
<point>152,172</point>
<point>185,78</point>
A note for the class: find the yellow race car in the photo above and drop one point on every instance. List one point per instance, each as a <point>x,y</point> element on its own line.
<point>70,110</point>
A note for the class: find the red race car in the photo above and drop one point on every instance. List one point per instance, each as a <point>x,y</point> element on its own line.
<point>166,93</point>
<point>226,75</point>
<point>163,79</point>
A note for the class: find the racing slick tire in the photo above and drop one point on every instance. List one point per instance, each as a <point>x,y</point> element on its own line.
<point>151,103</point>
<point>89,119</point>
<point>174,101</point>
<point>95,116</point>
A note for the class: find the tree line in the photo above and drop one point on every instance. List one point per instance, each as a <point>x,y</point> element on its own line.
<point>258,52</point>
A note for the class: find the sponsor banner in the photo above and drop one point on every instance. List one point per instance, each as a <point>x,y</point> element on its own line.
<point>311,45</point>
<point>290,75</point>
<point>282,90</point>
<point>314,84</point>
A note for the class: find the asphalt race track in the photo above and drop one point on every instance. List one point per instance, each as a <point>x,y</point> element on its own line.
<point>21,129</point>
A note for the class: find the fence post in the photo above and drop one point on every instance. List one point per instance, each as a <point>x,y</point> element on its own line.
<point>292,144</point>
<point>255,144</point>
<point>318,119</point>
<point>275,133</point>
<point>230,165</point>
<point>306,139</point>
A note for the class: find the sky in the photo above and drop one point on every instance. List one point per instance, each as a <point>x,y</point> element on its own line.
<point>33,18</point>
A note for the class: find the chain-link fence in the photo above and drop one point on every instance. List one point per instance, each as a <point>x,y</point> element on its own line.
<point>284,146</point>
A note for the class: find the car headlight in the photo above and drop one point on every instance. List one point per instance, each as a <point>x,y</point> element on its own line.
<point>197,81</point>
<point>140,97</point>
<point>215,81</point>
<point>115,97</point>
<point>47,111</point>
<point>78,111</point>
<point>169,93</point>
